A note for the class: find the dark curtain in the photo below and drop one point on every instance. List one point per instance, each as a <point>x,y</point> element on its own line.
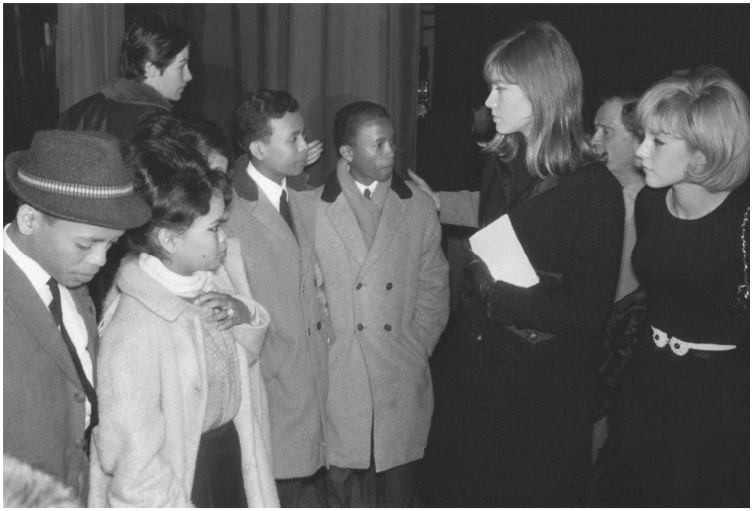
<point>88,46</point>
<point>622,48</point>
<point>325,55</point>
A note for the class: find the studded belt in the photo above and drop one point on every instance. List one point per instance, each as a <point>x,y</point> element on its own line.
<point>679,347</point>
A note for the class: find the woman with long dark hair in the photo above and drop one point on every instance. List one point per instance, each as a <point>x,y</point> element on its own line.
<point>512,426</point>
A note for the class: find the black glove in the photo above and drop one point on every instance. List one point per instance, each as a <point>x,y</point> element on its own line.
<point>479,277</point>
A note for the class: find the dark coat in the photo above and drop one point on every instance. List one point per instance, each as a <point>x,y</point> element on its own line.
<point>518,406</point>
<point>116,109</point>
<point>43,400</point>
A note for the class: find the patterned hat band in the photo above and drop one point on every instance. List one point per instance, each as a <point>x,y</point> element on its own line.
<point>75,190</point>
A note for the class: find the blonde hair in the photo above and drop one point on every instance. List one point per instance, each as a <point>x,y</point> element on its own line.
<point>708,110</point>
<point>540,61</point>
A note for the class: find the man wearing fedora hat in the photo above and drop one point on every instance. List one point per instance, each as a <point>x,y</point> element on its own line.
<point>76,198</point>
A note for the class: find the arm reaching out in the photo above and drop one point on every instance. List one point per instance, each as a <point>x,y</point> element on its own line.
<point>425,187</point>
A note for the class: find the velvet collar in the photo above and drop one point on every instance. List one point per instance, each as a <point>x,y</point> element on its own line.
<point>124,90</point>
<point>332,188</point>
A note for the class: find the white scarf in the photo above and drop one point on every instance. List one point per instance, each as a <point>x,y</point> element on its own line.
<point>185,286</point>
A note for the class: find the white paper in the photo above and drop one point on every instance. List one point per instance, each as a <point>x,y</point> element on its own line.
<point>502,252</point>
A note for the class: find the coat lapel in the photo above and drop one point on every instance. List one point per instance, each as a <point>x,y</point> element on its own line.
<point>344,221</point>
<point>260,207</point>
<point>266,214</point>
<point>389,222</point>
<point>303,208</point>
<point>23,299</point>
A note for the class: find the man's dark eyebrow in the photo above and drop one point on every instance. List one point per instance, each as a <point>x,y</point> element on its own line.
<point>94,239</point>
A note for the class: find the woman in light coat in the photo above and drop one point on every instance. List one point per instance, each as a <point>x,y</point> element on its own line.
<point>183,411</point>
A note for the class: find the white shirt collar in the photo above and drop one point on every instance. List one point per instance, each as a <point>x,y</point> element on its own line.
<point>33,271</point>
<point>272,190</point>
<point>361,187</point>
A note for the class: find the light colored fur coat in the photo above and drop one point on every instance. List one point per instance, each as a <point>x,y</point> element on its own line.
<point>152,388</point>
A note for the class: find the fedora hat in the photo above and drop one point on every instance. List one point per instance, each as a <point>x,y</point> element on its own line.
<point>78,176</point>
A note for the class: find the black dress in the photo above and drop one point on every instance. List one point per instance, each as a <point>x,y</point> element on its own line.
<point>685,419</point>
<point>512,425</point>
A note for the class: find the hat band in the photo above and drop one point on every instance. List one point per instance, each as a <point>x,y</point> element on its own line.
<point>73,189</point>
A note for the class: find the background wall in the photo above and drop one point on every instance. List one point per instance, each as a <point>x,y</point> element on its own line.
<point>621,48</point>
<point>326,54</point>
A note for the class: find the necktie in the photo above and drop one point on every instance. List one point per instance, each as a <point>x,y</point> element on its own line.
<point>57,314</point>
<point>367,193</point>
<point>285,211</point>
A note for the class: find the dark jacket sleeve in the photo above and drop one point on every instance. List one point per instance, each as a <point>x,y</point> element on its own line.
<point>578,303</point>
<point>87,114</point>
<point>98,113</point>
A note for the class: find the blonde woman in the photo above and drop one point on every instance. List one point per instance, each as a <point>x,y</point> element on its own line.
<point>685,406</point>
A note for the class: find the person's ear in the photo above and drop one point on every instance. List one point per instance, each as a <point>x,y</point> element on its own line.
<point>167,239</point>
<point>700,160</point>
<point>257,149</point>
<point>28,219</point>
<point>150,70</point>
<point>346,152</point>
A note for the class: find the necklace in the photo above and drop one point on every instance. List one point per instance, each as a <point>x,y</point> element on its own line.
<point>743,290</point>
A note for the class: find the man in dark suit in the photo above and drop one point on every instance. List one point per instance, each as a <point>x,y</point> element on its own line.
<point>76,198</point>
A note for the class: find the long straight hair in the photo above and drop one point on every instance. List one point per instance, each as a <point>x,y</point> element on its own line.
<point>540,61</point>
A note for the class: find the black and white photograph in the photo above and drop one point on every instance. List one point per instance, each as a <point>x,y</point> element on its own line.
<point>366,255</point>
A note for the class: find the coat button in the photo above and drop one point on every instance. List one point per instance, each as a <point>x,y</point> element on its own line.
<point>318,325</point>
<point>359,326</point>
<point>79,397</point>
<point>359,285</point>
<point>389,286</point>
<point>388,327</point>
<point>479,337</point>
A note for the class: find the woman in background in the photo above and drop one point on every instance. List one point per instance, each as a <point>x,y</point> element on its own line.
<point>513,425</point>
<point>154,73</point>
<point>685,405</point>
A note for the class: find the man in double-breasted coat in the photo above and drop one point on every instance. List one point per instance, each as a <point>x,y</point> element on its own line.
<point>386,286</point>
